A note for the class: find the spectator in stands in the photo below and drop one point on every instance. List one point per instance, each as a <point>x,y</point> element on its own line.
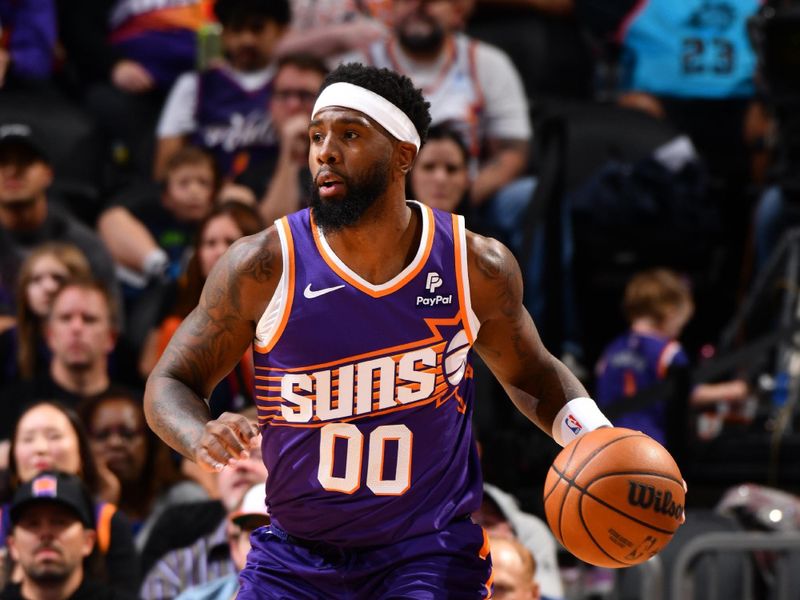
<point>149,476</point>
<point>23,348</point>
<point>502,519</point>
<point>514,570</point>
<point>222,108</point>
<point>335,26</point>
<point>693,64</point>
<point>248,516</point>
<point>440,177</point>
<point>27,41</point>
<point>658,304</point>
<point>53,539</point>
<point>209,557</point>
<point>81,332</point>
<point>27,219</point>
<point>470,84</point>
<point>121,59</point>
<point>149,238</point>
<point>49,436</point>
<point>288,181</point>
<point>226,224</point>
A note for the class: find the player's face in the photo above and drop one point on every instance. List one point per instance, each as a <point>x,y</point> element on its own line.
<point>45,440</point>
<point>190,192</point>
<point>49,542</point>
<point>47,275</point>
<point>440,178</point>
<point>350,159</point>
<point>79,331</point>
<point>218,235</point>
<point>294,93</point>
<point>117,433</point>
<point>250,46</point>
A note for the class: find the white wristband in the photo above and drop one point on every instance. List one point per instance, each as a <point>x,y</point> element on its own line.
<point>576,417</point>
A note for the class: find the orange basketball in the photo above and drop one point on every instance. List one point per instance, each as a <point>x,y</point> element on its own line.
<point>614,497</point>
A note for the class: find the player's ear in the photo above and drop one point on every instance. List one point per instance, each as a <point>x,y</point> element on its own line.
<point>406,153</point>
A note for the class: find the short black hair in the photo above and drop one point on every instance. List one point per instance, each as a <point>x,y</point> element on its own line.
<point>240,12</point>
<point>396,88</point>
<point>447,131</point>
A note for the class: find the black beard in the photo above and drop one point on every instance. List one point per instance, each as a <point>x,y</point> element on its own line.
<point>422,44</point>
<point>333,215</point>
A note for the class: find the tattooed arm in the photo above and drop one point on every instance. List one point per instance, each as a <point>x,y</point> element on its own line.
<point>207,345</point>
<point>536,381</point>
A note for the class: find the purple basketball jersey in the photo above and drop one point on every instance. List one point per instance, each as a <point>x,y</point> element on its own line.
<point>364,391</point>
<point>233,123</point>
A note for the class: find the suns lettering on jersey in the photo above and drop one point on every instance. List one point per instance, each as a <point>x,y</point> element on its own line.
<point>362,388</point>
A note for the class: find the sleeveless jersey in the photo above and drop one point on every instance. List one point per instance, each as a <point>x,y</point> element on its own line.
<point>631,363</point>
<point>232,122</point>
<point>364,392</point>
<point>689,48</point>
<point>455,95</point>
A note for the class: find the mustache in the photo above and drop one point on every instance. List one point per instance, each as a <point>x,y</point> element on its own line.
<point>328,171</point>
<point>47,546</point>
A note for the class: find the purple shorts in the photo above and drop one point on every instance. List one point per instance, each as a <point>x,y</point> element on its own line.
<point>451,563</point>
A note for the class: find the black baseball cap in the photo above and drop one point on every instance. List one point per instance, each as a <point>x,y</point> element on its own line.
<point>22,137</point>
<point>56,488</point>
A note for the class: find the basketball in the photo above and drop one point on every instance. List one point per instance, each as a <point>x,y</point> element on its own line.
<point>614,497</point>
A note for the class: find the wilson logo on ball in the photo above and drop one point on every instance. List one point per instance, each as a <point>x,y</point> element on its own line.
<point>647,496</point>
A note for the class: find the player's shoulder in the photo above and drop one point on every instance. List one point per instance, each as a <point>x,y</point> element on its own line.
<point>494,276</point>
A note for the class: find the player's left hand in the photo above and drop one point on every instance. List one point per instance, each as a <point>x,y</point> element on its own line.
<point>226,439</point>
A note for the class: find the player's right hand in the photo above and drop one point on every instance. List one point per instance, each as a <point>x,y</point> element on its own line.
<point>226,439</point>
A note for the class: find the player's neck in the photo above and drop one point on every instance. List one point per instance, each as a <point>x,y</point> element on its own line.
<point>382,243</point>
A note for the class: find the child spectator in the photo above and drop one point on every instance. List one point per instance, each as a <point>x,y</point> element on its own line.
<point>658,304</point>
<point>149,239</point>
<point>222,107</point>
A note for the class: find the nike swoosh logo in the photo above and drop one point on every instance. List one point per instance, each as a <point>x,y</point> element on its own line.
<point>309,293</point>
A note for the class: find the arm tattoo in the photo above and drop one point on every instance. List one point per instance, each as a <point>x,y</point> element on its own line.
<point>210,341</point>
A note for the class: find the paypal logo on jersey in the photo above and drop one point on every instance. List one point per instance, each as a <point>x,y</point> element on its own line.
<point>432,283</point>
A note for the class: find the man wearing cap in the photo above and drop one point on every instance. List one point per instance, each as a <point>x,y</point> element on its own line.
<point>52,535</point>
<point>362,311</point>
<point>27,218</point>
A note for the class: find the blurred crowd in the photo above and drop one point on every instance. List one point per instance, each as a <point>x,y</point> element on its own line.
<point>637,156</point>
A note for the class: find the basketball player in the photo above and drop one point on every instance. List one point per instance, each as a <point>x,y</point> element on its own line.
<point>362,311</point>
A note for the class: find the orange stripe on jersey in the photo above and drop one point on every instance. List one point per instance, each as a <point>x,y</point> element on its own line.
<point>431,341</point>
<point>462,297</point>
<point>484,551</point>
<point>439,399</point>
<point>488,584</point>
<point>287,309</point>
<point>628,384</point>
<point>427,244</point>
<point>665,358</point>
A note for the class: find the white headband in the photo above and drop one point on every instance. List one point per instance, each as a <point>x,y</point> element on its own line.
<point>347,95</point>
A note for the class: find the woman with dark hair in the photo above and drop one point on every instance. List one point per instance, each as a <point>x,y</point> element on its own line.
<point>23,351</point>
<point>440,177</point>
<point>150,480</point>
<point>49,436</point>
<point>226,224</point>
